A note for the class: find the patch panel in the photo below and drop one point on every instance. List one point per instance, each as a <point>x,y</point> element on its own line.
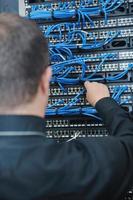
<point>73,125</point>
<point>71,108</point>
<point>101,77</point>
<point>57,123</point>
<point>56,3</point>
<point>60,4</point>
<point>66,101</point>
<point>65,28</point>
<point>107,67</point>
<point>57,91</point>
<point>112,22</point>
<point>78,122</point>
<point>117,56</point>
<point>91,68</point>
<point>123,10</point>
<point>64,134</point>
<point>121,39</point>
<point>67,5</point>
<point>97,24</point>
<point>125,98</point>
<point>96,56</point>
<point>128,90</point>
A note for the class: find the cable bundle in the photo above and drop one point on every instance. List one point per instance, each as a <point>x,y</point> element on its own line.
<point>82,12</point>
<point>66,38</point>
<point>70,109</point>
<point>74,35</point>
<point>62,71</point>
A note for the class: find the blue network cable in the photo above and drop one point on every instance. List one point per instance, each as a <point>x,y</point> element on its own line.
<point>66,62</point>
<point>57,14</point>
<point>59,67</point>
<point>82,35</point>
<point>69,55</point>
<point>56,68</point>
<point>72,33</point>
<point>62,5</point>
<point>61,54</point>
<point>63,79</point>
<point>118,91</point>
<point>69,109</point>
<point>120,75</point>
<point>58,27</point>
<point>56,32</point>
<point>83,12</point>
<point>62,71</point>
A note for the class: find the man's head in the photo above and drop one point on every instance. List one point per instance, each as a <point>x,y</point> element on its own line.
<point>24,61</point>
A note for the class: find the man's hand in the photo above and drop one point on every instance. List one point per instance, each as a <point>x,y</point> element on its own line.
<point>95,92</point>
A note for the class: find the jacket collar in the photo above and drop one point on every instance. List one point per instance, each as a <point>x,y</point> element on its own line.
<point>22,123</point>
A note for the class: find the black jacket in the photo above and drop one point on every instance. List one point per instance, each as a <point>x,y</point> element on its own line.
<point>33,167</point>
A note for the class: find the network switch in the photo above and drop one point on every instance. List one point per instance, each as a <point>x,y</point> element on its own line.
<point>85,46</point>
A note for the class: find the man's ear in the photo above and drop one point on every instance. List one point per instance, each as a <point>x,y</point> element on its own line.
<point>46,76</point>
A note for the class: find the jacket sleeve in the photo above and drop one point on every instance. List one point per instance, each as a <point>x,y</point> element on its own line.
<point>115,118</point>
<point>100,168</point>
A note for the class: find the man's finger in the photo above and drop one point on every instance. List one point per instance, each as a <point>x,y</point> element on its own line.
<point>86,84</point>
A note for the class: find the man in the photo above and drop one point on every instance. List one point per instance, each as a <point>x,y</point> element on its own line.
<point>33,167</point>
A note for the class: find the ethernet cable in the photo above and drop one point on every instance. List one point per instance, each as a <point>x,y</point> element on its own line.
<point>70,56</point>
<point>57,14</point>
<point>60,54</point>
<point>118,90</point>
<point>68,109</point>
<point>73,111</point>
<point>56,68</point>
<point>72,33</point>
<point>69,81</point>
<point>56,56</point>
<point>83,16</point>
<point>105,6</point>
<point>96,70</point>
<point>120,75</point>
<point>84,44</point>
<point>58,27</point>
<point>61,5</point>
<point>107,9</point>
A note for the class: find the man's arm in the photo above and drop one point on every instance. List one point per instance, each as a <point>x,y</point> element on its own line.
<point>120,125</point>
<point>115,118</point>
<point>100,168</point>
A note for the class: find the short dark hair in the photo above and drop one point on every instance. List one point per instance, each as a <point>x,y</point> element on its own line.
<point>23,59</point>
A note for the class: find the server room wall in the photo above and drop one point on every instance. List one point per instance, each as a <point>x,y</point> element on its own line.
<point>89,40</point>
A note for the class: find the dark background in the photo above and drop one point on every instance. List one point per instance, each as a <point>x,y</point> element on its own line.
<point>9,6</point>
